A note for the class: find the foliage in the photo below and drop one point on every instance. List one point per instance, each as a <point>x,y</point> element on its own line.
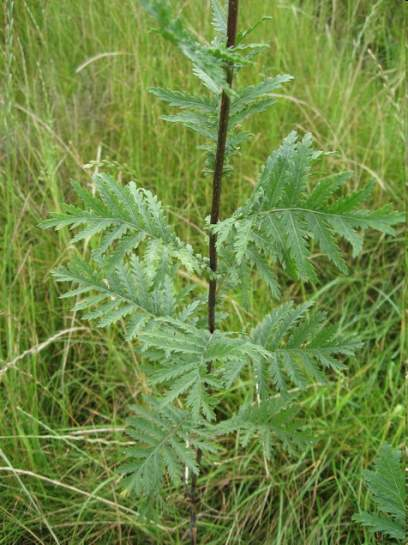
<point>161,434</point>
<point>386,484</point>
<point>126,216</point>
<point>269,420</point>
<point>130,275</point>
<point>282,216</point>
<point>200,113</point>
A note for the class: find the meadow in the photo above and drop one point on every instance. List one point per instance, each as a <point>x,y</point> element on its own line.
<point>74,101</point>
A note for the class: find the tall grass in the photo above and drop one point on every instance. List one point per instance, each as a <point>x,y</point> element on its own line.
<point>74,100</point>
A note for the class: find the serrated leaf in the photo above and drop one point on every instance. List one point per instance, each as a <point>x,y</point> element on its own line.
<point>219,18</point>
<point>126,215</point>
<point>386,484</point>
<point>270,420</point>
<point>296,345</point>
<point>183,100</point>
<point>161,436</point>
<point>286,216</point>
<point>253,92</point>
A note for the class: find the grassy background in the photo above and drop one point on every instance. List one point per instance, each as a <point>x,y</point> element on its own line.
<point>74,86</point>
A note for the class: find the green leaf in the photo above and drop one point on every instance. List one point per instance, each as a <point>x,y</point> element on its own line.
<point>125,292</point>
<point>296,236</point>
<point>206,66</point>
<point>219,18</point>
<point>200,114</point>
<point>295,344</point>
<point>242,239</point>
<point>196,122</point>
<point>383,525</point>
<point>285,217</point>
<point>127,215</point>
<point>255,108</point>
<point>324,236</point>
<point>184,101</point>
<point>183,354</point>
<point>269,421</point>
<point>251,93</point>
<point>161,436</point>
<point>386,484</point>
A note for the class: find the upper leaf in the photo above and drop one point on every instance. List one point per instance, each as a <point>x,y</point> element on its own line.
<point>255,98</point>
<point>206,66</point>
<point>200,113</point>
<point>282,215</point>
<point>219,19</point>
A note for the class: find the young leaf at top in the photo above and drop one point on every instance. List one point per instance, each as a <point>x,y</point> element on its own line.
<point>200,113</point>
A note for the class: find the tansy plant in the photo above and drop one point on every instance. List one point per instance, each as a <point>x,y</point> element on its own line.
<point>131,273</point>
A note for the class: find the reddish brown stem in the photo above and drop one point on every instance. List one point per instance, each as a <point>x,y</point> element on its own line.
<point>219,166</point>
<point>215,214</point>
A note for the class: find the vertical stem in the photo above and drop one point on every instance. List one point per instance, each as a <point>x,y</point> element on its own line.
<point>215,214</point>
<point>219,166</point>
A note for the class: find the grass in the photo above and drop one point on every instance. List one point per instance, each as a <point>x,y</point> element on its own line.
<point>75,100</point>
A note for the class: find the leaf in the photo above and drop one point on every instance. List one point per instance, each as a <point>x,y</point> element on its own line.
<point>322,233</point>
<point>161,436</point>
<point>127,216</point>
<point>219,18</point>
<point>296,241</point>
<point>325,188</point>
<point>242,239</point>
<point>196,122</point>
<point>255,108</point>
<point>183,354</point>
<point>383,525</point>
<point>251,93</point>
<point>270,420</point>
<point>386,484</point>
<point>183,100</point>
<point>295,344</point>
<point>265,272</point>
<point>206,66</point>
<point>126,293</point>
<point>285,216</point>
<point>209,61</point>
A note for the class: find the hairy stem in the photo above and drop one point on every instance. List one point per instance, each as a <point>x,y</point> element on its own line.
<point>215,213</point>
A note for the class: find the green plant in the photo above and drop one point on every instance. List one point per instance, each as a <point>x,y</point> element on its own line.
<point>386,484</point>
<point>131,274</point>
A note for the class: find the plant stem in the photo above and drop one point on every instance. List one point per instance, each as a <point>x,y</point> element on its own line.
<point>215,213</point>
<point>219,166</point>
